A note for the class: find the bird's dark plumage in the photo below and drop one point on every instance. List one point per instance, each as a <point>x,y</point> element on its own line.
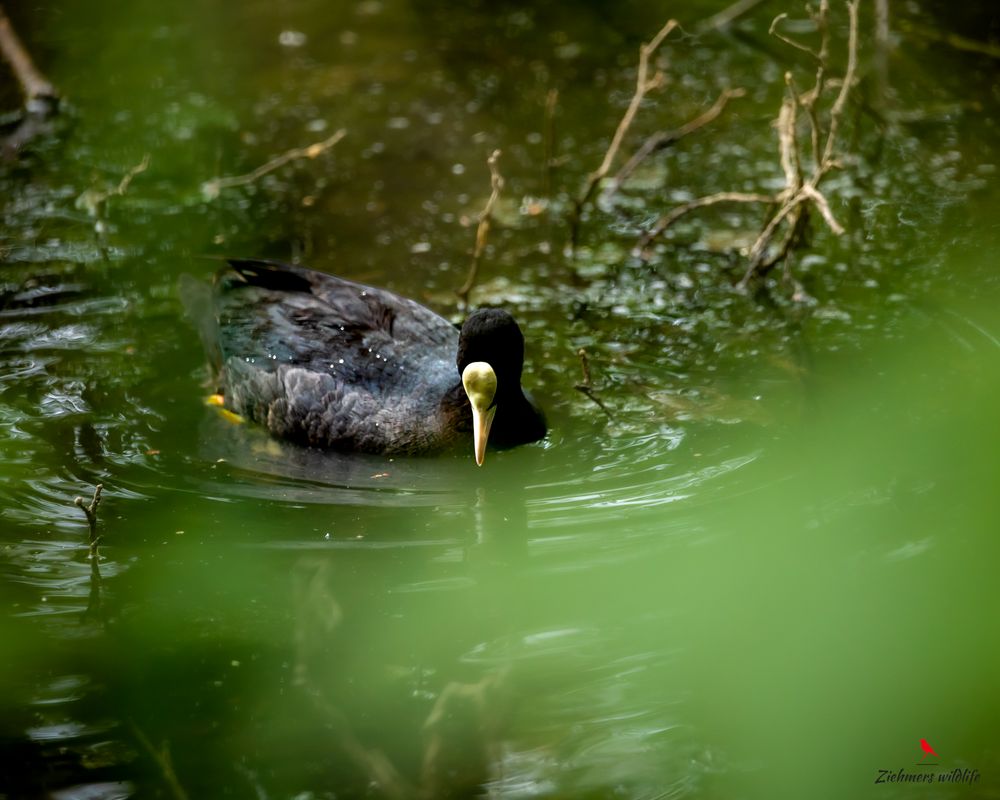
<point>335,364</point>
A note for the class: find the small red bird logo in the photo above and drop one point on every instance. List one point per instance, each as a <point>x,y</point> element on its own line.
<point>928,750</point>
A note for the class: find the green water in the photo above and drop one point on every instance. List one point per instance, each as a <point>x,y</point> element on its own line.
<point>768,574</point>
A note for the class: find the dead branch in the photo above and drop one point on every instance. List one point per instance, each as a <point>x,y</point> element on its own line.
<point>845,87</point>
<point>664,139</point>
<point>807,102</point>
<point>643,85</point>
<point>40,96</point>
<point>670,218</point>
<point>726,16</point>
<point>788,144</point>
<point>211,189</point>
<point>94,599</point>
<point>798,217</point>
<point>950,39</point>
<point>586,386</point>
<point>94,201</point>
<point>483,229</point>
<point>94,595</point>
<point>788,220</point>
<point>799,193</point>
<point>820,201</point>
<point>41,100</point>
<point>91,512</point>
<point>773,31</point>
<point>126,181</point>
<point>758,249</point>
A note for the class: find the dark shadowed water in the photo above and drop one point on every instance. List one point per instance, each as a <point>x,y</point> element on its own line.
<point>769,573</point>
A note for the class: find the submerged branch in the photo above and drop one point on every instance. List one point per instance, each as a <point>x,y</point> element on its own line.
<point>586,386</point>
<point>483,229</point>
<point>91,512</point>
<point>670,218</point>
<point>727,15</point>
<point>163,761</point>
<point>211,189</point>
<point>664,139</point>
<point>94,598</point>
<point>953,40</point>
<point>94,201</point>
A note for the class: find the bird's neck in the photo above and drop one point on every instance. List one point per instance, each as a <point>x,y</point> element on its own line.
<point>517,419</point>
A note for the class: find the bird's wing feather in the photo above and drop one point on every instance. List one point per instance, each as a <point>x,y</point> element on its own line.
<point>291,314</point>
<point>333,360</point>
<point>349,303</point>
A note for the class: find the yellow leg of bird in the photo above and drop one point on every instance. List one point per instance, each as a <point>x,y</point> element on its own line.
<point>219,402</point>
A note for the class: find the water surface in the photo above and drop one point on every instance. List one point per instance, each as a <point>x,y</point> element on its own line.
<point>769,573</point>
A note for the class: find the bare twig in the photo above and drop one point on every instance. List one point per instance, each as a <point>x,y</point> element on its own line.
<point>41,100</point>
<point>808,102</point>
<point>670,218</point>
<point>40,95</point>
<point>126,181</point>
<point>845,87</point>
<point>94,200</point>
<point>664,139</point>
<point>820,201</point>
<point>788,220</point>
<point>823,28</point>
<point>951,39</point>
<point>585,386</point>
<point>211,189</point>
<point>91,512</point>
<point>801,192</point>
<point>94,595</point>
<point>483,229</point>
<point>759,247</point>
<point>788,144</point>
<point>94,598</point>
<point>797,216</point>
<point>643,85</point>
<point>773,30</point>
<point>726,16</point>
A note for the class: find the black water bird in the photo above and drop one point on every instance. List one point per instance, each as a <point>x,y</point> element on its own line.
<point>335,364</point>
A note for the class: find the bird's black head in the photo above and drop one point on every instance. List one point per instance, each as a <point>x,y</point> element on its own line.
<point>492,335</point>
<point>490,359</point>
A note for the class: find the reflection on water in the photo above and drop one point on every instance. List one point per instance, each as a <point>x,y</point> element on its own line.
<point>777,547</point>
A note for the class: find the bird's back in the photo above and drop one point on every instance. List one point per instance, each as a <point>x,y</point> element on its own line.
<point>332,363</point>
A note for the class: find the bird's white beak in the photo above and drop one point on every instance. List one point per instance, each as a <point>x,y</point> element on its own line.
<point>480,383</point>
